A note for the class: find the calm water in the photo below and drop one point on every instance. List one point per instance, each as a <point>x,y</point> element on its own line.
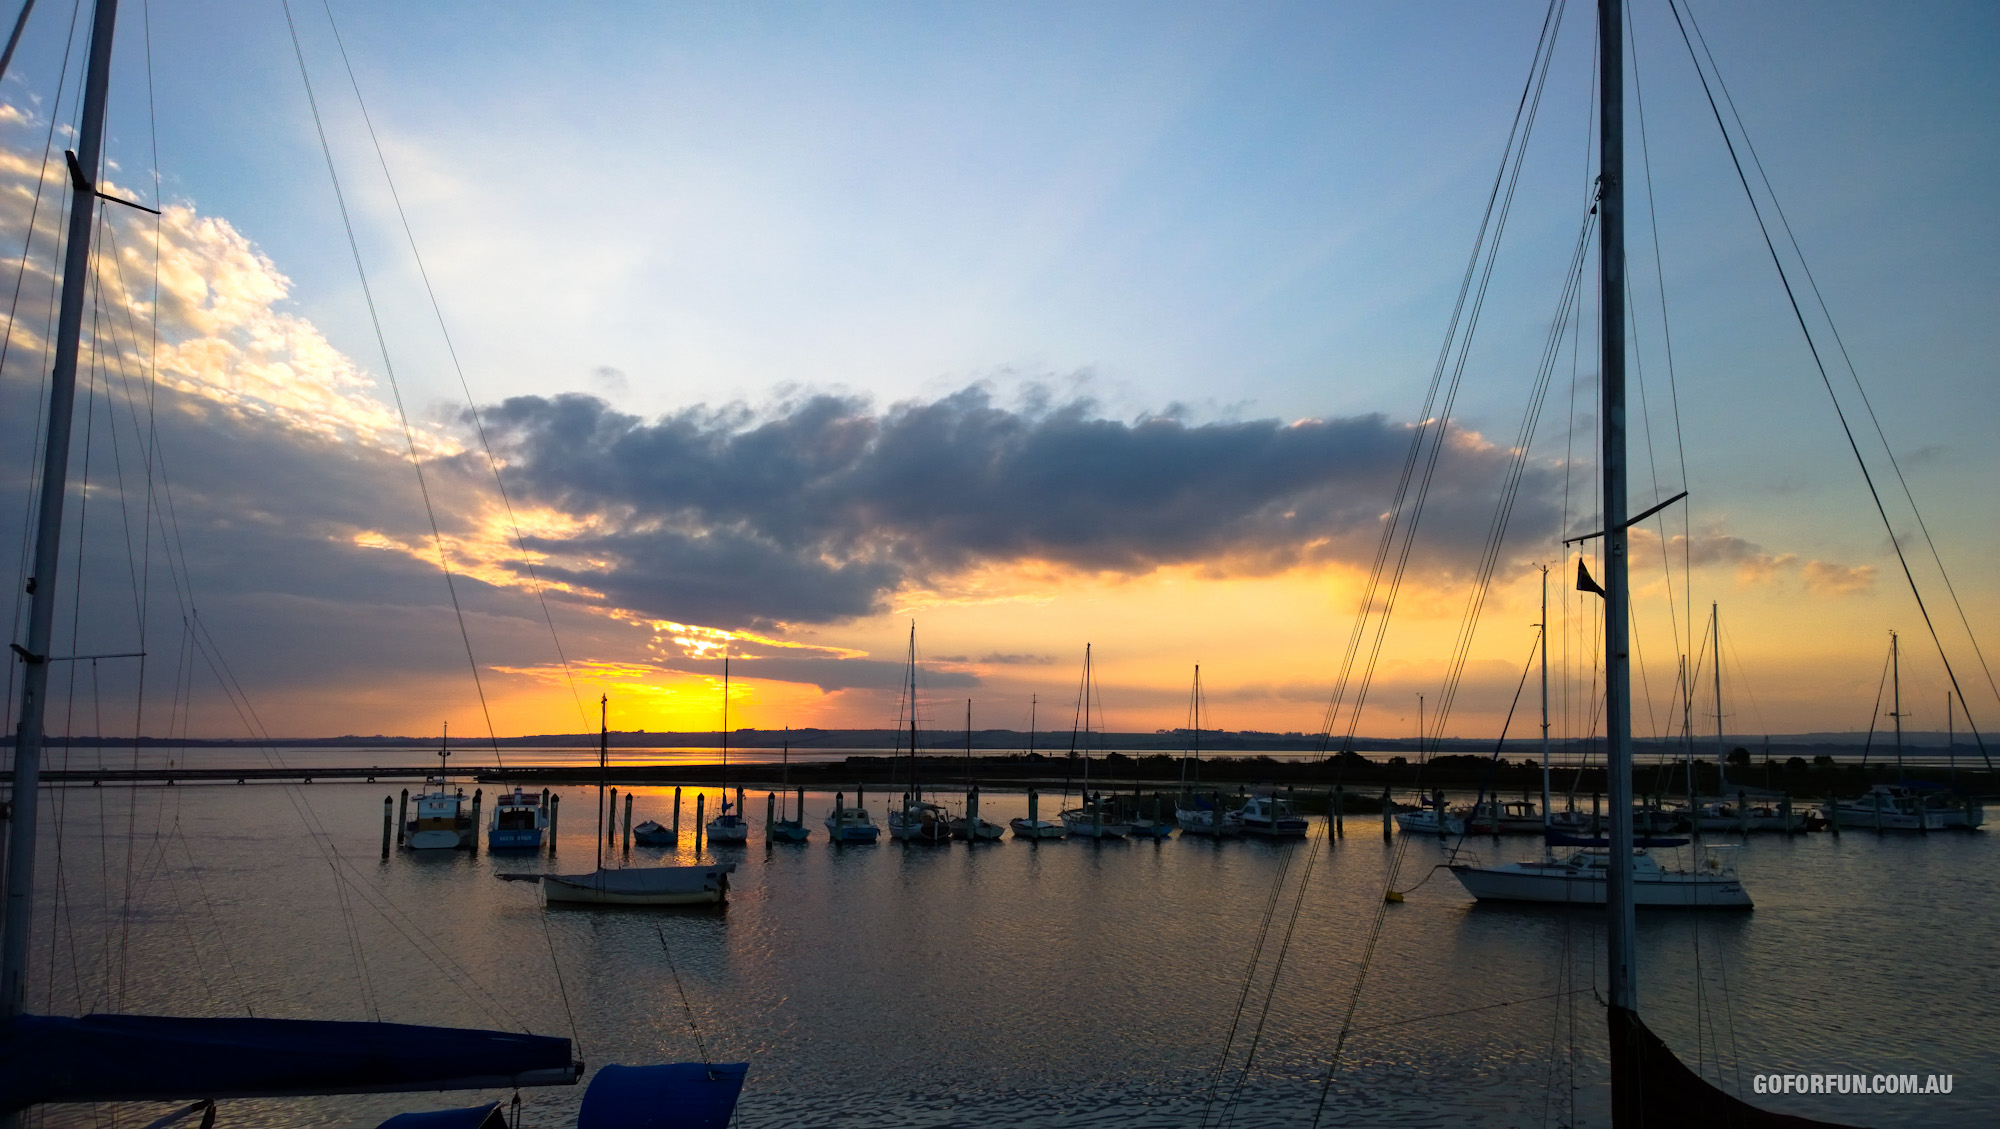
<point>1060,983</point>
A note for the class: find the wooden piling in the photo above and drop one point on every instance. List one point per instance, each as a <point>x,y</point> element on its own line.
<point>611,826</point>
<point>1386,815</point>
<point>770,817</point>
<point>403,817</point>
<point>677,816</point>
<point>555,809</point>
<point>839,819</point>
<point>388,822</point>
<point>1832,809</point>
<point>478,795</point>
<point>700,802</point>
<point>625,833</point>
<point>1339,810</point>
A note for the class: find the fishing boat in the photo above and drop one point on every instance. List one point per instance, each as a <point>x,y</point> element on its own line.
<point>1093,818</point>
<point>850,824</point>
<point>633,886</point>
<point>918,820</point>
<point>103,1058</point>
<point>728,828</point>
<point>519,822</point>
<point>1034,826</point>
<point>442,819</point>
<point>1270,816</point>
<point>1199,814</point>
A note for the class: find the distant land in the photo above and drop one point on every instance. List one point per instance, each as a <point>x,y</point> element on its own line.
<point>1010,740</point>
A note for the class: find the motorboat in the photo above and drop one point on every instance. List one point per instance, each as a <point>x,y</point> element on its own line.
<point>847,823</point>
<point>1271,817</point>
<point>519,822</point>
<point>1501,817</point>
<point>1889,807</point>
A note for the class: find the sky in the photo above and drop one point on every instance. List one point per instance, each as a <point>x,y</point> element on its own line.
<point>1036,326</point>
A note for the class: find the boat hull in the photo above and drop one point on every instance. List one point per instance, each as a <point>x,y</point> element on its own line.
<point>529,839</point>
<point>790,831</point>
<point>1037,829</point>
<point>438,839</point>
<point>1561,885</point>
<point>724,834</point>
<point>643,886</point>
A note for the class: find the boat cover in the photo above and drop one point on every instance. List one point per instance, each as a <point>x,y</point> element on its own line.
<point>166,1058</point>
<point>674,1095</point>
<point>479,1117</point>
<point>1651,1088</point>
<point>644,880</point>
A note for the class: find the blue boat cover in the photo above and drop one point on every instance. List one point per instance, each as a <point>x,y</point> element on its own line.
<point>479,1117</point>
<point>675,1095</point>
<point>165,1058</point>
<point>1558,839</point>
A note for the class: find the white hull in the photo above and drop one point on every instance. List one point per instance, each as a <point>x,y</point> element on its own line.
<point>1037,829</point>
<point>1083,825</point>
<point>1568,882</point>
<point>984,832</point>
<point>1426,823</point>
<point>735,831</point>
<point>436,841</point>
<point>1202,821</point>
<point>643,886</point>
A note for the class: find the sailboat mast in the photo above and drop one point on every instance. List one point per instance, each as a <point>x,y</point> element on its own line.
<point>1721,758</point>
<point>1896,682</point>
<point>916,792</point>
<point>14,934</point>
<point>1623,923</point>
<point>1546,808</point>
<point>603,767</point>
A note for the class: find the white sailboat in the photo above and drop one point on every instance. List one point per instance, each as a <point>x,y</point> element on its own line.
<point>968,827</point>
<point>918,820</point>
<point>1093,818</point>
<point>1034,826</point>
<point>635,886</point>
<point>728,828</point>
<point>1198,814</point>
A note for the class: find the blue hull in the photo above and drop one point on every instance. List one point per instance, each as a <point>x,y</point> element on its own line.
<point>527,840</point>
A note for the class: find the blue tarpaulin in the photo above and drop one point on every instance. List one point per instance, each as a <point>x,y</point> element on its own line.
<point>164,1058</point>
<point>676,1095</point>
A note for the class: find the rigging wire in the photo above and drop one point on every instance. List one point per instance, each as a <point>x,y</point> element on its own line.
<point>472,407</point>
<point>1833,329</point>
<point>395,387</point>
<point>1819,364</point>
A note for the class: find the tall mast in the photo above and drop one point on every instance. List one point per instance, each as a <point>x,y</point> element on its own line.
<point>1896,681</point>
<point>725,733</point>
<point>1622,923</point>
<point>14,932</point>
<point>916,792</point>
<point>1544,625</point>
<point>1721,760</point>
<point>603,767</point>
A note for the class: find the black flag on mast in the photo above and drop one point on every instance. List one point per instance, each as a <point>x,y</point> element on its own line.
<point>1583,581</point>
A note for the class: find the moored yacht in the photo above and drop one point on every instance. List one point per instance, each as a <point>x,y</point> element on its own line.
<point>1580,879</point>
<point>1889,807</point>
<point>1271,817</point>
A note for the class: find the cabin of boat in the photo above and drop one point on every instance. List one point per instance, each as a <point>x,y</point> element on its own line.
<point>920,821</point>
<point>518,823</point>
<point>1501,817</point>
<point>442,821</point>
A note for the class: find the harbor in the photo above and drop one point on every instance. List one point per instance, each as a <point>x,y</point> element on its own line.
<point>1073,945</point>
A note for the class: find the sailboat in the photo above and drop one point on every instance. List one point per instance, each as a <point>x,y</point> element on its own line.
<point>443,819</point>
<point>637,886</point>
<point>1892,807</point>
<point>1034,826</point>
<point>728,828</point>
<point>782,829</point>
<point>1198,814</point>
<point>918,820</point>
<point>969,828</point>
<point>113,1058</point>
<point>1093,818</point>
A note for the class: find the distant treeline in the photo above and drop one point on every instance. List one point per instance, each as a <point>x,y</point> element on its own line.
<point>1050,743</point>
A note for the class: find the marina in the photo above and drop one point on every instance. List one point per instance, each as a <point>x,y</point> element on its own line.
<point>812,940</point>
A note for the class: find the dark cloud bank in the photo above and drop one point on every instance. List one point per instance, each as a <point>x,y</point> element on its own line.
<point>818,511</point>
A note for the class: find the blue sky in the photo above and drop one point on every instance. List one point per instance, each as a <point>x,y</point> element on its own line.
<point>1216,213</point>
